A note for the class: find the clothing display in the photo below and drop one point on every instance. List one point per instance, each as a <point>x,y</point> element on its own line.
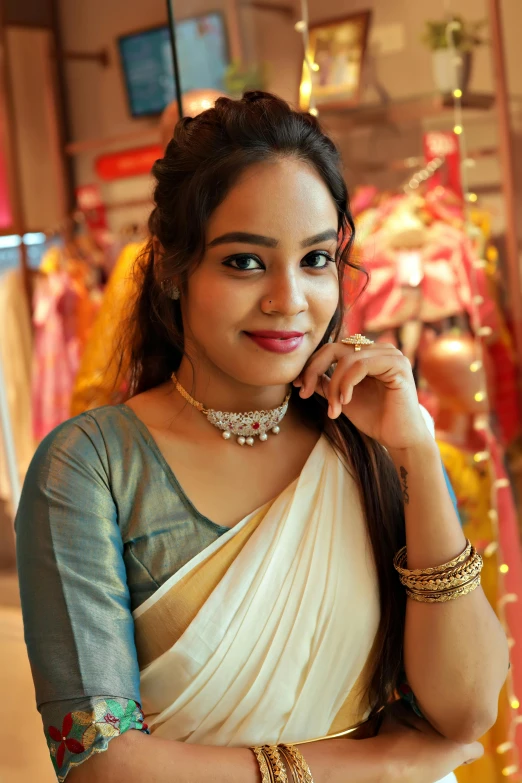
<point>65,303</point>
<point>100,379</point>
<point>16,355</point>
<point>155,568</point>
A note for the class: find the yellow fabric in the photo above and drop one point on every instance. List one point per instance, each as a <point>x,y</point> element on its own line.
<point>99,379</point>
<point>472,485</point>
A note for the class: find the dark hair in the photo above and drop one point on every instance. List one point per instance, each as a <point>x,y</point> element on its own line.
<point>202,162</point>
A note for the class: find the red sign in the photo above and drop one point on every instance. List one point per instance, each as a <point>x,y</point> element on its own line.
<point>445,145</point>
<point>128,163</point>
<point>90,202</point>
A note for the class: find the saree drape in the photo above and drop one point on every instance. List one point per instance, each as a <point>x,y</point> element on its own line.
<point>266,636</point>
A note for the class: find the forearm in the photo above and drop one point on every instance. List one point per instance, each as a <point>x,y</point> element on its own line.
<point>456,655</point>
<point>135,757</point>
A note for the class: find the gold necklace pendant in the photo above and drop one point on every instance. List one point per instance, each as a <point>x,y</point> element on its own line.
<point>245,426</point>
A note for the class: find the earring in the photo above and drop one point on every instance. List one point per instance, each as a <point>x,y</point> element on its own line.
<point>170,290</point>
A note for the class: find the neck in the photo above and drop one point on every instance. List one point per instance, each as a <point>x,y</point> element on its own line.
<point>217,390</point>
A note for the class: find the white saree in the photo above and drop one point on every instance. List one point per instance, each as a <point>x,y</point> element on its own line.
<point>266,636</point>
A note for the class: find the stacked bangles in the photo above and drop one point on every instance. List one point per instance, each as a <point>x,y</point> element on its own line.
<point>442,583</point>
<point>275,760</point>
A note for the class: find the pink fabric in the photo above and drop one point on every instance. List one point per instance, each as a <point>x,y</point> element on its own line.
<point>56,352</point>
<point>444,290</point>
<point>512,553</point>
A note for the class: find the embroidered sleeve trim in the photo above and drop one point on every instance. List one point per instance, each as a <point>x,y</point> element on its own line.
<point>85,733</point>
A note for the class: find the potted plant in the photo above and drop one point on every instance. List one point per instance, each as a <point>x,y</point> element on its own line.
<point>452,42</point>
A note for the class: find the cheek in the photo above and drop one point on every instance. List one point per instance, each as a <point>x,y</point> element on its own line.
<point>324,300</point>
<point>213,305</point>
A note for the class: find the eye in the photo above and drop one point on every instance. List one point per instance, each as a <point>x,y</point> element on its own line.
<point>244,262</point>
<point>319,259</point>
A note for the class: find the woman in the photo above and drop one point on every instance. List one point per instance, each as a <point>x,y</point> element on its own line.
<point>234,595</point>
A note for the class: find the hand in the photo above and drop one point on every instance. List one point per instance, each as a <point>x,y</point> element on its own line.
<point>404,755</point>
<point>373,387</point>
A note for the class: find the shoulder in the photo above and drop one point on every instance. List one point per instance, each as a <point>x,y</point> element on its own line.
<point>86,441</point>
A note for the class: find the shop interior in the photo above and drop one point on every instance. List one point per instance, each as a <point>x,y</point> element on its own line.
<point>425,103</point>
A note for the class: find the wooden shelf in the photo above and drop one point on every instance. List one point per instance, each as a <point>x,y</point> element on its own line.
<point>406,110</point>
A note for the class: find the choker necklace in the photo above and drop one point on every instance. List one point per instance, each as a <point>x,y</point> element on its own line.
<point>245,426</point>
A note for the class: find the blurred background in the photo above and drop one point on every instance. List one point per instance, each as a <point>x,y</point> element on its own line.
<point>424,100</point>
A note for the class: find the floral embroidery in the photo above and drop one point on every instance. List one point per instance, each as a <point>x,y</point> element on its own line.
<point>83,732</point>
<point>65,741</point>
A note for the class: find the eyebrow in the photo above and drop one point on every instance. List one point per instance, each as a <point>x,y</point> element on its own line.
<point>244,237</point>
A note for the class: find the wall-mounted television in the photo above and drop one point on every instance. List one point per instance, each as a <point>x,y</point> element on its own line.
<point>146,58</point>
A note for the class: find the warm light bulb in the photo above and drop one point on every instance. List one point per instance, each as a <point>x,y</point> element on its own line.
<point>490,549</point>
<point>508,771</point>
<point>475,366</point>
<point>480,396</point>
<point>314,112</point>
<point>515,704</point>
<point>481,456</point>
<point>457,129</point>
<point>504,568</point>
<point>300,27</point>
<point>315,67</point>
<point>306,88</point>
<point>457,93</point>
<point>504,747</point>
<point>472,197</point>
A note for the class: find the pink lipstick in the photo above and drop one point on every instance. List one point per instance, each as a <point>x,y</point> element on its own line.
<point>277,342</point>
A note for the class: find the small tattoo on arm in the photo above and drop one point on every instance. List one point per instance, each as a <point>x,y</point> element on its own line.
<point>404,484</point>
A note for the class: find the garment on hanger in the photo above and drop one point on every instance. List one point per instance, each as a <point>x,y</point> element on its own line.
<point>16,354</point>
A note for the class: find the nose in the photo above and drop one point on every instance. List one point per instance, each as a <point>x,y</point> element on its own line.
<point>285,295</point>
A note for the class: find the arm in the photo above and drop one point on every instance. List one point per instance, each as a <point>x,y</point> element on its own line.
<point>400,755</point>
<point>456,655</point>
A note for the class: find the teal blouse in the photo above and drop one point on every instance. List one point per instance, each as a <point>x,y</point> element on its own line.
<point>102,523</point>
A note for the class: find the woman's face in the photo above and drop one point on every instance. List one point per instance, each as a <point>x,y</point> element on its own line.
<point>262,298</point>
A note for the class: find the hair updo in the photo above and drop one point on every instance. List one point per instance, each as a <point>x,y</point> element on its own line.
<point>202,162</point>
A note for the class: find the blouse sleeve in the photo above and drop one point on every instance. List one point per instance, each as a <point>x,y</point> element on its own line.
<point>75,599</point>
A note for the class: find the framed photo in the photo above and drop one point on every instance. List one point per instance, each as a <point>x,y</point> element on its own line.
<point>337,50</point>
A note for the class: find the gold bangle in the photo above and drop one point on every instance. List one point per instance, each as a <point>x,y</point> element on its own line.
<point>440,583</point>
<point>450,595</point>
<point>264,768</point>
<point>474,561</point>
<point>401,558</point>
<point>276,763</point>
<point>297,776</point>
<point>300,763</point>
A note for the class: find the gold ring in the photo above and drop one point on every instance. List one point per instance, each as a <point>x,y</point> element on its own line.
<point>357,340</point>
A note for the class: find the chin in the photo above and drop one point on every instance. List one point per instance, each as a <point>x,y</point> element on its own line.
<point>272,371</point>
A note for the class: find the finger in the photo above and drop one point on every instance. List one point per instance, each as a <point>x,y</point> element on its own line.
<point>392,370</point>
<point>331,354</point>
<point>473,752</point>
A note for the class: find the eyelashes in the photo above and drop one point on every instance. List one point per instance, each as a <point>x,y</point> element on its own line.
<point>247,262</point>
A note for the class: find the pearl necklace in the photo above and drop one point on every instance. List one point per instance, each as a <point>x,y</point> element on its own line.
<point>245,426</point>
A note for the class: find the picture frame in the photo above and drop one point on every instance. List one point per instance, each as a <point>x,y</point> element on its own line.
<point>337,49</point>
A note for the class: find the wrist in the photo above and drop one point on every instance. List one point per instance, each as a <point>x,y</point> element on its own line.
<point>418,453</point>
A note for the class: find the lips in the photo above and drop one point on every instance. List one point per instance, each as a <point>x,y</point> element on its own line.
<point>277,342</point>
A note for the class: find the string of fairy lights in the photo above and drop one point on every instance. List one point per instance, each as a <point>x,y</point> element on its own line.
<point>498,483</point>
<point>481,331</point>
